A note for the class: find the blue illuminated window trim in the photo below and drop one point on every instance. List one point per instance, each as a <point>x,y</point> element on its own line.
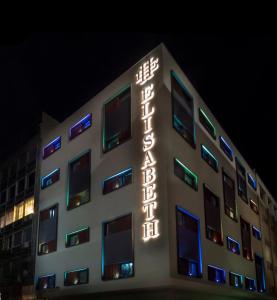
<point>47,180</point>
<point>122,174</point>
<point>262,288</point>
<point>226,148</point>
<point>252,182</point>
<point>256,233</point>
<point>250,288</point>
<point>83,125</point>
<point>229,245</point>
<point>237,285</point>
<point>56,143</point>
<point>212,158</point>
<point>218,281</point>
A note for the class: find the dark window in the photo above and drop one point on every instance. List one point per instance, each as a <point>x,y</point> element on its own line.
<point>254,206</point>
<point>260,273</point>
<point>47,239</point>
<point>212,216</point>
<point>79,181</point>
<point>241,181</point>
<point>236,280</point>
<point>46,282</point>
<point>233,245</point>
<point>17,238</point>
<point>185,174</point>
<point>12,193</point>
<point>31,180</point>
<point>32,154</point>
<point>182,110</point>
<point>188,244</point>
<point>117,120</point>
<point>3,196</point>
<point>80,127</point>
<point>22,161</point>
<point>256,233</point>
<point>117,181</point>
<point>207,155</point>
<point>252,181</point>
<point>250,284</point>
<point>226,148</point>
<point>52,147</point>
<point>246,239</point>
<point>76,277</point>
<point>21,186</point>
<point>229,193</point>
<point>118,259</point>
<point>27,236</point>
<point>206,122</point>
<point>77,237</point>
<point>50,178</point>
<point>216,274</point>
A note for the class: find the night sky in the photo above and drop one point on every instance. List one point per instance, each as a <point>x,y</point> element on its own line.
<point>234,73</point>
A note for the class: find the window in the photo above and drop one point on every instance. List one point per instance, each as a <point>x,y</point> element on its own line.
<point>80,127</point>
<point>241,181</point>
<point>21,186</point>
<point>76,277</point>
<point>79,181</point>
<point>226,148</point>
<point>117,181</point>
<point>2,221</point>
<point>206,122</point>
<point>252,181</point>
<point>254,206</point>
<point>9,216</point>
<point>229,194</point>
<point>216,274</point>
<point>182,110</point>
<point>118,258</point>
<point>246,239</point>
<point>47,239</point>
<point>185,174</point>
<point>27,235</point>
<point>12,193</point>
<point>31,181</point>
<point>17,238</point>
<point>3,196</point>
<point>77,237</point>
<point>233,245</point>
<point>49,179</point>
<point>52,147</point>
<point>250,284</point>
<point>212,216</point>
<point>256,233</point>
<point>22,161</point>
<point>236,280</point>
<point>117,120</point>
<point>209,157</point>
<point>46,282</point>
<point>29,206</point>
<point>18,211</point>
<point>260,273</point>
<point>188,244</point>
<point>32,154</point>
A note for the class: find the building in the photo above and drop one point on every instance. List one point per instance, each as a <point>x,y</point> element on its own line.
<point>18,195</point>
<point>143,194</point>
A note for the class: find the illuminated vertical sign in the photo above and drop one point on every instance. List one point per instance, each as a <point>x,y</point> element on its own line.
<point>144,76</point>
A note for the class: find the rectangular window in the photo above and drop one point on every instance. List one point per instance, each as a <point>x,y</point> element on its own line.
<point>212,216</point>
<point>17,239</point>
<point>185,174</point>
<point>118,257</point>
<point>31,181</point>
<point>117,181</point>
<point>254,206</point>
<point>241,181</point>
<point>229,194</point>
<point>236,280</point>
<point>52,147</point>
<point>9,216</point>
<point>216,274</point>
<point>3,196</point>
<point>233,245</point>
<point>79,181</point>
<point>250,284</point>
<point>77,237</point>
<point>246,239</point>
<point>117,120</point>
<point>188,244</point>
<point>206,122</point>
<point>12,193</point>
<point>46,282</point>
<point>207,155</point>
<point>18,211</point>
<point>256,233</point>
<point>47,239</point>
<point>260,273</point>
<point>76,277</point>
<point>252,181</point>
<point>226,148</point>
<point>182,110</point>
<point>50,178</point>
<point>21,186</point>
<point>28,206</point>
<point>80,127</point>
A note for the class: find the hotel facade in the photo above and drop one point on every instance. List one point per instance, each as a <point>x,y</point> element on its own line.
<point>143,194</point>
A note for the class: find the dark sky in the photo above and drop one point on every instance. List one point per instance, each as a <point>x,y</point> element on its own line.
<point>235,73</point>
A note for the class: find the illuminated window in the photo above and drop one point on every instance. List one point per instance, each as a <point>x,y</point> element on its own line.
<point>188,244</point>
<point>246,239</point>
<point>236,280</point>
<point>79,181</point>
<point>182,110</point>
<point>29,206</point>
<point>241,181</point>
<point>250,284</point>
<point>252,181</point>
<point>80,127</point>
<point>77,237</point>
<point>216,274</point>
<point>185,174</point>
<point>207,155</point>
<point>229,194</point>
<point>260,273</point>
<point>256,233</point>
<point>50,178</point>
<point>52,147</point>
<point>46,282</point>
<point>19,211</point>
<point>117,181</point>
<point>117,120</point>
<point>9,216</point>
<point>76,277</point>
<point>2,221</point>
<point>118,258</point>
<point>254,206</point>
<point>226,148</point>
<point>233,245</point>
<point>206,122</point>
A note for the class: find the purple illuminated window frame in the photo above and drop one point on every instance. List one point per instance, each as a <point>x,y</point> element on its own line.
<point>52,147</point>
<point>80,126</point>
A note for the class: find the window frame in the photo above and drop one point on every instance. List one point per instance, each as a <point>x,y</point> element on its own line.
<point>211,156</point>
<point>128,171</point>
<point>67,237</point>
<point>186,172</point>
<point>202,115</point>
<point>226,208</point>
<point>49,176</point>
<point>76,271</point>
<point>223,145</point>
<point>56,147</point>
